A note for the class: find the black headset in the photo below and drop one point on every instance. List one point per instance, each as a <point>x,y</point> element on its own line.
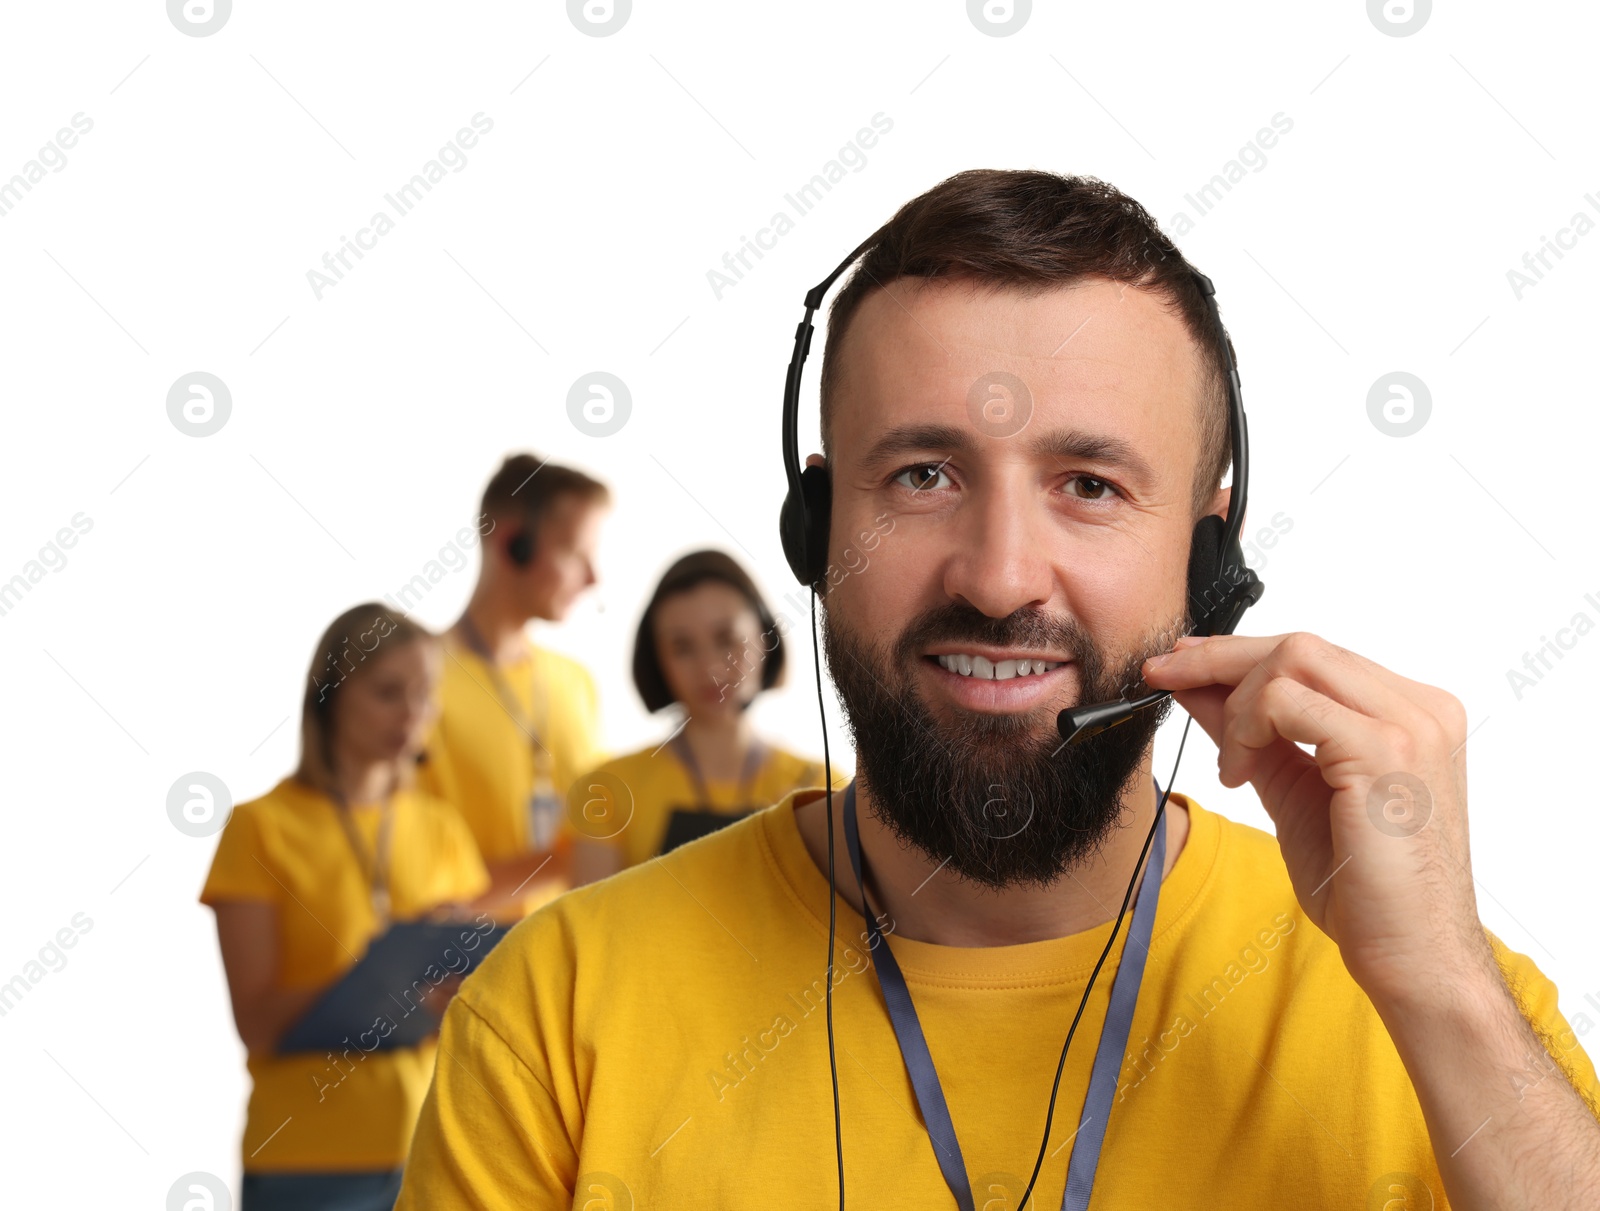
<point>520,547</point>
<point>1220,589</point>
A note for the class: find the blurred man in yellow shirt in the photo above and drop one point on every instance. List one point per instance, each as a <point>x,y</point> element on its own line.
<point>519,722</point>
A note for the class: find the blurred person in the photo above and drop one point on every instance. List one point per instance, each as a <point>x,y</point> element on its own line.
<point>518,722</point>
<point>304,878</point>
<point>709,645</point>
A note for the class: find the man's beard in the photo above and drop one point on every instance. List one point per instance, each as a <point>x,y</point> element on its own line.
<point>998,799</point>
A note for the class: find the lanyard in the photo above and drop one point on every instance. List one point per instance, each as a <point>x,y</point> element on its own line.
<point>1107,1061</point>
<point>374,867</point>
<point>752,766</point>
<point>508,699</point>
<point>544,806</point>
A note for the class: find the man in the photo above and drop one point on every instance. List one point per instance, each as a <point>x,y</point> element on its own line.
<point>519,722</point>
<point>1322,1020</point>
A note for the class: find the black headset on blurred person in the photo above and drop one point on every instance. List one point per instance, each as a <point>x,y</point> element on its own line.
<point>519,547</point>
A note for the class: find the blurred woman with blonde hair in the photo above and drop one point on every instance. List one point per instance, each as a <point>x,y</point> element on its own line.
<point>304,878</point>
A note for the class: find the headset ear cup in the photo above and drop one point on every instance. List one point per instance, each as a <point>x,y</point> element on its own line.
<point>1205,595</point>
<point>520,548</point>
<point>803,525</point>
<point>792,533</point>
<point>817,485</point>
<point>1221,587</point>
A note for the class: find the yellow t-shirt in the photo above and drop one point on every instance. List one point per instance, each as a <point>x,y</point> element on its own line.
<point>660,1037</point>
<point>482,761</point>
<point>629,802</point>
<point>356,1110</point>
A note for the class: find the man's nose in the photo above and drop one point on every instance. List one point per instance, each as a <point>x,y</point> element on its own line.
<point>1003,558</point>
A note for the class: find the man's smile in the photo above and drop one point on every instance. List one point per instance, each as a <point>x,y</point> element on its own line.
<point>978,677</point>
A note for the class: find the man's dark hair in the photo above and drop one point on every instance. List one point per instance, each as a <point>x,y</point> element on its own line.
<point>526,487</point>
<point>695,569</point>
<point>1032,231</point>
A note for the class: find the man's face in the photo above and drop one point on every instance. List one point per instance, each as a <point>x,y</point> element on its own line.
<point>1041,517</point>
<point>564,558</point>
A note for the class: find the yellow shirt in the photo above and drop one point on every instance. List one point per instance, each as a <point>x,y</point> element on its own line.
<point>660,1037</point>
<point>628,803</point>
<point>356,1110</point>
<point>482,761</point>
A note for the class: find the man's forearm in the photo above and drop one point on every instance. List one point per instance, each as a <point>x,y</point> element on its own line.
<point>1508,1129</point>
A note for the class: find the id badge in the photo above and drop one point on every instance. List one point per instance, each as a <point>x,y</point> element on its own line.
<point>381,907</point>
<point>544,816</point>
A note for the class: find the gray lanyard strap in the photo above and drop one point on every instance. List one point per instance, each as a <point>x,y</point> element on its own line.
<point>1107,1061</point>
<point>1114,1035</point>
<point>374,871</point>
<point>747,777</point>
<point>503,691</point>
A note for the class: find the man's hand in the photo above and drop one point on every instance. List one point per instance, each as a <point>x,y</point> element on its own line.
<point>1373,829</point>
<point>1373,826</point>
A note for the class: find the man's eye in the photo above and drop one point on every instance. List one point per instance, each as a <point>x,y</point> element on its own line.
<point>1095,489</point>
<point>922,476</point>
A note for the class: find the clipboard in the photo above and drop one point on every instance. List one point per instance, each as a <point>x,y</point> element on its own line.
<point>375,1006</point>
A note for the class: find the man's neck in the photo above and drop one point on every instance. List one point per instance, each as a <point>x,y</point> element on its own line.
<point>929,904</point>
<point>501,626</point>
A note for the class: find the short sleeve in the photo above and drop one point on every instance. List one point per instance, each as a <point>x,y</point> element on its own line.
<point>489,1134</point>
<point>242,866</point>
<point>1536,996</point>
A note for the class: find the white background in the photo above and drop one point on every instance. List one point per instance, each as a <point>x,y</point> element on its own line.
<point>578,237</point>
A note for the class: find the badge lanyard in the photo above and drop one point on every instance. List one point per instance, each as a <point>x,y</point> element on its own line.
<point>374,867</point>
<point>544,807</point>
<point>752,766</point>
<point>1107,1061</point>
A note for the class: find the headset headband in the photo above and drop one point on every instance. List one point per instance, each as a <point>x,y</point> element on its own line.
<point>1238,426</point>
<point>802,346</point>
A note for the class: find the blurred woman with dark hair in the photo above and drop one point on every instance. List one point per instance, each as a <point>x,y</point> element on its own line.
<point>304,878</point>
<point>709,645</point>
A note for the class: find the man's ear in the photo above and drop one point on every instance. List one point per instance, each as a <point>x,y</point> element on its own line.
<point>1219,502</point>
<point>816,460</point>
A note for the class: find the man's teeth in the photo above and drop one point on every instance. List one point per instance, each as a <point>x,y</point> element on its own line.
<point>1004,670</point>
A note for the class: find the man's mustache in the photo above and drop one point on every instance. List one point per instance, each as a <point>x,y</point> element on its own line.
<point>1032,629</point>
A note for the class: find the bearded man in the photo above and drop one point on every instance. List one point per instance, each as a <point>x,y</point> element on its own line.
<point>1316,1019</point>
